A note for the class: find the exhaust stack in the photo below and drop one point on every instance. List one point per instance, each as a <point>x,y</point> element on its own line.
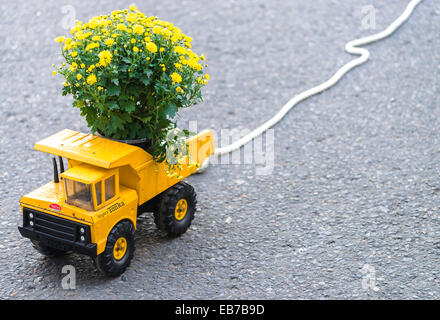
<point>61,164</point>
<point>56,178</point>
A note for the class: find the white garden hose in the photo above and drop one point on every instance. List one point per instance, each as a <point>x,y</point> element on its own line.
<point>353,48</point>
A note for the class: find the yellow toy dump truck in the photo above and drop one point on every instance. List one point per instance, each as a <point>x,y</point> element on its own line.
<point>92,207</point>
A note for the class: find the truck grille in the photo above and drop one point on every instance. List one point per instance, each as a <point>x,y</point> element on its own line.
<point>49,225</point>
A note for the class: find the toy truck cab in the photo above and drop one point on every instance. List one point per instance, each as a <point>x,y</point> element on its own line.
<point>90,188</point>
<point>92,207</point>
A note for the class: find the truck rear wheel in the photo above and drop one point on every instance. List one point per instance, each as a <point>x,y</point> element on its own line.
<point>176,209</point>
<point>119,250</point>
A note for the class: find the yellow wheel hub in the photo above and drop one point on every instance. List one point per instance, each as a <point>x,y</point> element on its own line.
<point>181,209</point>
<point>120,248</point>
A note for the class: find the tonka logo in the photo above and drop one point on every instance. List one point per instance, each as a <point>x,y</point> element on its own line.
<point>111,209</point>
<point>55,207</point>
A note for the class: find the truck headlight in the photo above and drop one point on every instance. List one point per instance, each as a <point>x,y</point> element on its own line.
<point>83,234</point>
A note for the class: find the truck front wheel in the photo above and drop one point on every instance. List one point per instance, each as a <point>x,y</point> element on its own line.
<point>119,250</point>
<point>176,209</point>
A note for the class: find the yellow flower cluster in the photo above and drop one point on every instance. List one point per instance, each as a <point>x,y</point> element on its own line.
<point>150,46</point>
<point>105,57</point>
<point>129,35</point>
<point>113,62</point>
<point>91,80</point>
<point>177,78</point>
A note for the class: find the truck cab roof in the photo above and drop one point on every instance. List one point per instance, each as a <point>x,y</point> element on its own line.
<point>87,173</point>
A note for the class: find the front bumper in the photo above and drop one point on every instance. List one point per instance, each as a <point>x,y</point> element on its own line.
<point>57,233</point>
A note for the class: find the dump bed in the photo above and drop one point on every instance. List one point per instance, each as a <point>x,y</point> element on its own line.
<point>93,150</point>
<point>137,169</point>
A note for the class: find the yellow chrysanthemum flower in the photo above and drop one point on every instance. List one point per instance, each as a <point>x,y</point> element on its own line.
<point>60,39</point>
<point>166,33</point>
<point>73,66</point>
<point>91,80</point>
<point>92,25</point>
<point>151,46</point>
<point>109,42</point>
<point>121,27</point>
<point>177,78</point>
<point>138,29</point>
<point>180,50</point>
<point>176,37</point>
<point>157,29</point>
<point>131,17</point>
<point>105,57</point>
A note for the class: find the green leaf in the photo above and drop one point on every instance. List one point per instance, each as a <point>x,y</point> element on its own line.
<point>128,106</point>
<point>125,117</point>
<point>148,72</point>
<point>112,105</point>
<point>116,123</point>
<point>113,90</point>
<point>133,131</point>
<point>66,91</point>
<point>171,110</point>
<point>146,81</point>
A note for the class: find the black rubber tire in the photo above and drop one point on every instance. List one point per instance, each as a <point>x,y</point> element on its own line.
<point>164,217</point>
<point>105,262</point>
<point>48,251</point>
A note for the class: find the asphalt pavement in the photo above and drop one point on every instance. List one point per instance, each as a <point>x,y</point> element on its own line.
<point>349,209</point>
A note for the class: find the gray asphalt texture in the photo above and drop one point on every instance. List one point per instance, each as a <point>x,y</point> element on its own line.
<point>356,180</point>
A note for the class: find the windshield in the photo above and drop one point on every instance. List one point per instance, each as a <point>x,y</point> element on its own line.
<point>79,194</point>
